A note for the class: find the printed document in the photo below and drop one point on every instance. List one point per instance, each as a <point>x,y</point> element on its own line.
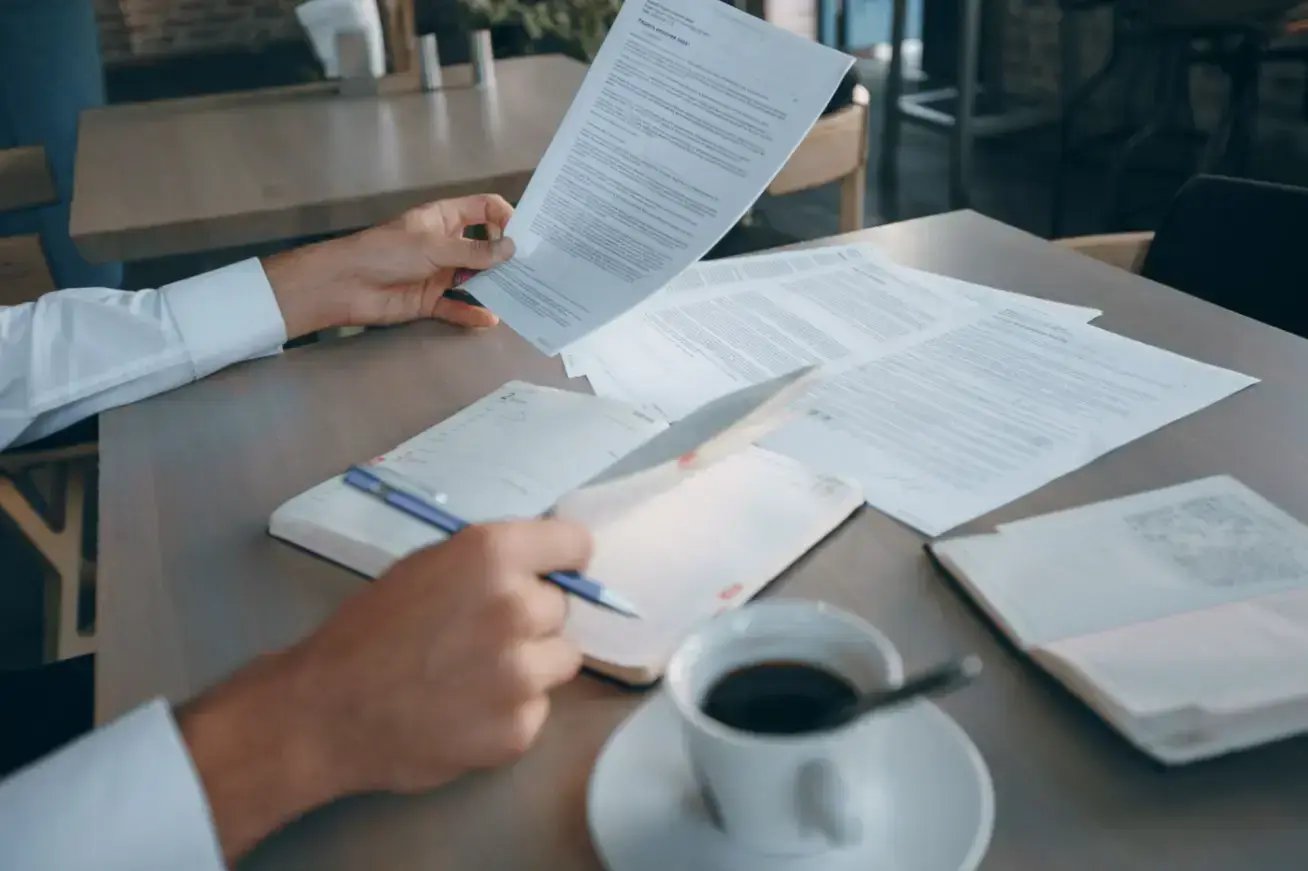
<point>948,428</point>
<point>586,356</point>
<point>689,110</point>
<point>697,345</point>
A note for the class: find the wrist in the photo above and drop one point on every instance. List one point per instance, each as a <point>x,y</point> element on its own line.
<point>303,282</point>
<point>258,753</point>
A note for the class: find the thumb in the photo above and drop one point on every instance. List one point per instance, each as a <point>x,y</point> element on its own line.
<point>477,254</point>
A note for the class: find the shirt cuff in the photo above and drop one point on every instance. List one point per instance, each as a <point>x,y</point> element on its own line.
<point>226,316</point>
<point>124,797</point>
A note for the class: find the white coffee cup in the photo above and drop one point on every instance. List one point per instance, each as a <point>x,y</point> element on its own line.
<point>789,794</point>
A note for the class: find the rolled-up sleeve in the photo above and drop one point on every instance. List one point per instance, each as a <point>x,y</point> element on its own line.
<point>124,797</point>
<point>74,353</point>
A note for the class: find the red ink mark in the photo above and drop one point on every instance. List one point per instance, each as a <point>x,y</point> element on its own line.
<point>687,459</point>
<point>730,592</point>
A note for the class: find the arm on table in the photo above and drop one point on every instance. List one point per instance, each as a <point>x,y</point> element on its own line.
<point>74,353</point>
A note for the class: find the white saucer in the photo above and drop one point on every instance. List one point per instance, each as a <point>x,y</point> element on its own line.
<point>645,812</point>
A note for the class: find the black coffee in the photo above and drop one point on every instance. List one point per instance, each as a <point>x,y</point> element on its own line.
<point>779,698</point>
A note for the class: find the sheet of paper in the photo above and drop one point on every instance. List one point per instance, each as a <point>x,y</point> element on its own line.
<point>711,434</point>
<point>716,274</point>
<point>696,346</point>
<point>709,545</point>
<point>581,359</point>
<point>996,298</point>
<point>688,111</point>
<point>954,426</point>
<point>510,454</point>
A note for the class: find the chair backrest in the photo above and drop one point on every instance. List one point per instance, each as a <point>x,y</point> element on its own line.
<point>834,150</point>
<point>1240,244</point>
<point>25,182</point>
<point>25,178</point>
<point>835,147</point>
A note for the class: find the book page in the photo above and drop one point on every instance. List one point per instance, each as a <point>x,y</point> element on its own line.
<point>706,546</point>
<point>1136,559</point>
<point>690,108</point>
<point>955,425</point>
<point>1197,684</point>
<point>510,454</point>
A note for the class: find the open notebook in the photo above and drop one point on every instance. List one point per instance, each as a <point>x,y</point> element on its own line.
<point>689,519</point>
<point>1179,615</point>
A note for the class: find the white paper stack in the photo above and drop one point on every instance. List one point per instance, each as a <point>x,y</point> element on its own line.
<point>1179,615</point>
<point>943,399</point>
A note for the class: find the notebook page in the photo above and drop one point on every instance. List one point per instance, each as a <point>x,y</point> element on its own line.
<point>708,545</point>
<point>510,454</point>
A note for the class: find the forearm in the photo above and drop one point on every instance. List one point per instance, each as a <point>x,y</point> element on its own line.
<point>75,353</point>
<point>252,742</point>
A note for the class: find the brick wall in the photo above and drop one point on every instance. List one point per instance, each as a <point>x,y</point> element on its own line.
<point>132,30</point>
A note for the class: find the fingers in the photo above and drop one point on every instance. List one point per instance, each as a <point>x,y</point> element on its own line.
<point>543,546</point>
<point>475,254</point>
<point>530,609</point>
<point>548,663</point>
<point>452,216</point>
<point>461,314</point>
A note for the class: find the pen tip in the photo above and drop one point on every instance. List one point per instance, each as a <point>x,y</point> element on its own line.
<point>620,604</point>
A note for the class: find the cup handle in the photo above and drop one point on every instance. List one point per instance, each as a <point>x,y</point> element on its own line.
<point>823,803</point>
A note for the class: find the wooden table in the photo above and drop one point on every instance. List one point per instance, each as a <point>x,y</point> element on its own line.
<point>191,587</point>
<point>196,174</point>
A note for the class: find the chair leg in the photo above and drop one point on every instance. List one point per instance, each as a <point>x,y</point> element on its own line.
<point>1075,100</point>
<point>61,549</point>
<point>961,139</point>
<point>1173,67</point>
<point>853,189</point>
<point>888,160</point>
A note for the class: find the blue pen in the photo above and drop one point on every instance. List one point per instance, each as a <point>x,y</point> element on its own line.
<point>392,489</point>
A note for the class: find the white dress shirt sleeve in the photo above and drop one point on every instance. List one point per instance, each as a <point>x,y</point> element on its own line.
<point>75,353</point>
<point>124,798</point>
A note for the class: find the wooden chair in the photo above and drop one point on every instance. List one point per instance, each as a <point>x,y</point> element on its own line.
<point>835,150</point>
<point>43,489</point>
<point>400,30</point>
<point>1123,250</point>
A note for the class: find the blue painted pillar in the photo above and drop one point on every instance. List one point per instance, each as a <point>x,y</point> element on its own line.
<point>50,70</point>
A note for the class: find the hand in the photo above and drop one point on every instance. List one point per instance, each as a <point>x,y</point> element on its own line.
<point>440,667</point>
<point>394,272</point>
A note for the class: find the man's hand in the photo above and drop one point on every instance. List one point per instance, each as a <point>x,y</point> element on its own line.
<point>441,666</point>
<point>394,272</point>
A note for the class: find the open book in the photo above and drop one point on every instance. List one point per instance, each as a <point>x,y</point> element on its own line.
<point>1179,615</point>
<point>689,519</point>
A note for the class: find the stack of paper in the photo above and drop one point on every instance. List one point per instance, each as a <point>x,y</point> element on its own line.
<point>943,399</point>
<point>1179,615</point>
<point>726,324</point>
